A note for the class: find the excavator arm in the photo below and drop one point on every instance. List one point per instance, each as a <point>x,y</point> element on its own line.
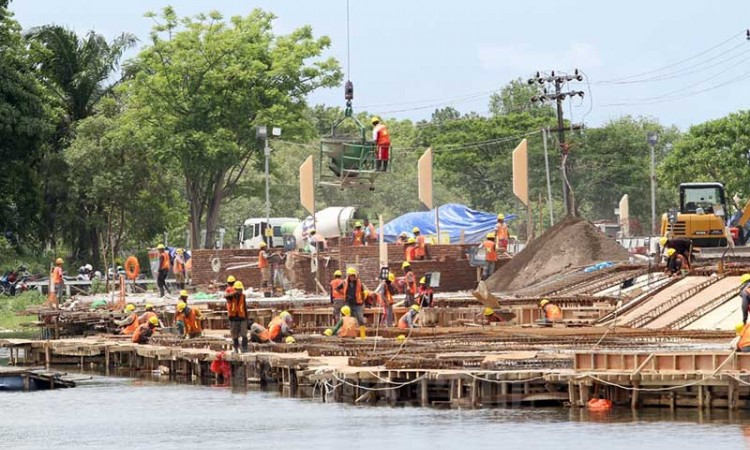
<point>745,215</point>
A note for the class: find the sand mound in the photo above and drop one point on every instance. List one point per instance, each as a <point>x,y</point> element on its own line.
<point>570,244</point>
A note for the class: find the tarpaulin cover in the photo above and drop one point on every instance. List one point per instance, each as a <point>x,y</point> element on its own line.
<point>454,218</point>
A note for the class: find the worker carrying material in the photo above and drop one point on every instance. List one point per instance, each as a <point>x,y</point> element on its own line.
<point>551,312</point>
<point>161,278</point>
<point>191,320</point>
<point>143,333</point>
<point>741,342</point>
<point>237,312</point>
<point>420,249</point>
<point>409,319</point>
<point>129,324</point>
<point>358,235</point>
<point>501,234</point>
<point>490,255</point>
<point>280,327</point>
<point>387,290</point>
<point>382,144</point>
<point>677,264</point>
<point>424,294</point>
<point>410,284</point>
<point>745,295</point>
<point>354,294</point>
<point>337,294</point>
<point>346,326</point>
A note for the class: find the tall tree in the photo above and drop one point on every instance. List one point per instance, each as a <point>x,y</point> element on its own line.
<point>203,85</point>
<point>515,97</point>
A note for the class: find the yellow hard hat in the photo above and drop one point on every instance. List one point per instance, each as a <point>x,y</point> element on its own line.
<point>160,247</point>
<point>488,312</point>
<point>328,332</point>
<point>181,306</point>
<point>351,271</point>
<point>411,240</point>
<point>405,264</point>
<point>238,286</point>
<point>375,119</point>
<point>670,251</point>
<point>415,230</point>
<point>180,251</point>
<point>400,338</point>
<point>745,278</point>
<point>149,306</point>
<point>337,273</point>
<point>543,302</point>
<point>490,235</point>
<point>391,277</point>
<point>231,279</point>
<point>739,327</point>
<point>663,241</point>
<point>129,307</point>
<point>290,340</point>
<point>285,315</point>
<point>500,217</point>
<point>153,320</point>
<point>415,307</point>
<point>59,261</point>
<point>262,244</point>
<point>345,310</point>
<point>311,231</point>
<point>367,293</point>
<point>183,293</point>
<point>358,224</point>
<point>423,280</point>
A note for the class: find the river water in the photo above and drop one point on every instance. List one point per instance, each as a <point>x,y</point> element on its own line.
<point>125,413</point>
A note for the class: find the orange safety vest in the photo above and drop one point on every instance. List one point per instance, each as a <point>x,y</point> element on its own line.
<point>744,338</point>
<point>262,334</point>
<point>189,264</point>
<point>262,259</point>
<point>192,324</point>
<point>411,283</point>
<point>382,135</point>
<point>179,267</point>
<point>419,250</point>
<point>139,331</point>
<point>163,260</point>
<point>336,294</point>
<point>274,328</point>
<point>490,251</point>
<point>57,275</point>
<point>358,293</point>
<point>130,329</point>
<point>349,328</point>
<point>402,323</point>
<point>236,306</point>
<point>502,231</point>
<point>359,238</point>
<point>146,316</point>
<point>409,253</point>
<point>552,312</point>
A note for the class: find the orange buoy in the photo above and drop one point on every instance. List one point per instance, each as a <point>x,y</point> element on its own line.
<point>599,404</point>
<point>132,268</point>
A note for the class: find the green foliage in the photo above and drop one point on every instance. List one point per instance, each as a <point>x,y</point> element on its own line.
<point>11,306</point>
<point>515,97</point>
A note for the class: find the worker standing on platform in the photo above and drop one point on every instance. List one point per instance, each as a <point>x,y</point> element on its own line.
<point>161,278</point>
<point>490,255</point>
<point>410,249</point>
<point>551,312</point>
<point>58,281</point>
<point>280,327</point>
<point>237,312</point>
<point>191,318</point>
<point>382,142</point>
<point>410,284</point>
<point>354,294</point>
<point>424,294</point>
<point>371,233</point>
<point>745,295</point>
<point>346,326</point>
<point>143,333</point>
<point>129,324</point>
<point>358,235</point>
<point>387,290</point>
<point>677,264</point>
<point>420,249</point>
<point>265,270</point>
<point>230,285</point>
<point>337,295</point>
<point>501,234</point>
<point>409,319</point>
<point>179,268</point>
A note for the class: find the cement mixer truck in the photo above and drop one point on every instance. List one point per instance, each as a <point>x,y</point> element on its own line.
<point>331,222</point>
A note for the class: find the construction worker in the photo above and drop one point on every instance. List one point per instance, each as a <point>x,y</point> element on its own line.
<point>178,315</point>
<point>551,312</point>
<point>161,278</point>
<point>402,238</point>
<point>386,291</point>
<point>371,233</point>
<point>410,249</point>
<point>489,316</point>
<point>408,320</point>
<point>358,235</point>
<point>745,295</point>
<point>179,268</point>
<point>57,279</point>
<point>490,255</point>
<point>420,250</point>
<point>129,323</point>
<point>149,313</point>
<point>237,312</point>
<point>142,334</point>
<point>265,269</point>
<point>677,264</point>
<point>316,241</point>
<point>382,142</point>
<point>280,327</point>
<point>741,343</point>
<point>410,284</point>
<point>425,293</point>
<point>337,295</point>
<point>230,285</point>
<point>501,234</point>
<point>346,326</point>
<point>354,294</point>
<point>682,245</point>
<point>372,299</point>
<point>191,318</point>
<point>259,333</point>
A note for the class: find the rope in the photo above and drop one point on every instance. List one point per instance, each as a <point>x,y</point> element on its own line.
<point>348,53</point>
<point>503,381</point>
<point>398,386</point>
<point>216,265</point>
<point>631,388</point>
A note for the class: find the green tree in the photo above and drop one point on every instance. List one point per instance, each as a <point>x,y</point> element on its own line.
<point>515,97</point>
<point>202,86</point>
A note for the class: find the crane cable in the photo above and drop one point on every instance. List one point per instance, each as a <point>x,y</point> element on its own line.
<point>348,51</point>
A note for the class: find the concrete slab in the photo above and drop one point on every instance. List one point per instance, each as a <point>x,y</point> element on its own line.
<point>715,290</point>
<point>661,297</point>
<point>724,317</point>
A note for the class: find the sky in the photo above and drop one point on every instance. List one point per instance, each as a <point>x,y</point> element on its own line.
<point>681,62</point>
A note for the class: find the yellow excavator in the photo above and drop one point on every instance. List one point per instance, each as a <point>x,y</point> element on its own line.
<point>702,216</point>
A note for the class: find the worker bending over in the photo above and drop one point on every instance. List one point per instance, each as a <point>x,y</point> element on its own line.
<point>237,312</point>
<point>358,235</point>
<point>143,318</point>
<point>489,316</point>
<point>424,294</point>
<point>143,333</point>
<point>677,264</point>
<point>551,312</point>
<point>259,333</point>
<point>346,326</point>
<point>682,245</point>
<point>191,321</point>
<point>409,319</point>
<point>410,284</point>
<point>386,291</point>
<point>502,235</point>
<point>490,255</point>
<point>354,294</point>
<point>337,294</point>
<point>420,250</point>
<point>745,295</point>
<point>161,278</point>
<point>280,328</point>
<point>382,143</point>
<point>741,343</point>
<point>129,324</point>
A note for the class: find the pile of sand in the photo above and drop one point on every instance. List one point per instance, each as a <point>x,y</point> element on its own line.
<point>571,244</point>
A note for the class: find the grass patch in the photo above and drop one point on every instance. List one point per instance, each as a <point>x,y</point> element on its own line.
<point>10,306</point>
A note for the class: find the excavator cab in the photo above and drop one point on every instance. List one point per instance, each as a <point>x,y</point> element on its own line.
<point>702,215</point>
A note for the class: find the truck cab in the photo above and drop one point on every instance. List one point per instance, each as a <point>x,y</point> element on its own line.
<point>253,231</point>
<point>701,216</point>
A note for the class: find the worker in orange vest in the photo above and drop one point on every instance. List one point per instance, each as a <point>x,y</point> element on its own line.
<point>403,238</point>
<point>129,324</point>
<point>410,249</point>
<point>142,334</point>
<point>424,294</point>
<point>346,326</point>
<point>420,251</point>
<point>490,255</point>
<point>382,142</point>
<point>280,327</point>
<point>191,319</point>
<point>230,285</point>
<point>677,264</point>
<point>408,320</point>
<point>354,294</point>
<point>337,295</point>
<point>371,233</point>
<point>552,312</point>
<point>143,318</point>
<point>410,284</point>
<point>358,235</point>
<point>259,333</point>
<point>179,268</point>
<point>237,312</point>
<point>161,279</point>
<point>265,269</point>
<point>57,279</point>
<point>386,291</point>
<point>501,234</point>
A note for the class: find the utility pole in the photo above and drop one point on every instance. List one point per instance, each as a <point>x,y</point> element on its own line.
<point>653,139</point>
<point>262,133</point>
<point>557,82</point>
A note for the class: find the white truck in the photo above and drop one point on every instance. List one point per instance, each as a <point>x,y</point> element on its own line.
<point>254,229</point>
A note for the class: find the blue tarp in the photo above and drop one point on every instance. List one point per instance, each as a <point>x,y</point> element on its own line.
<point>454,218</point>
